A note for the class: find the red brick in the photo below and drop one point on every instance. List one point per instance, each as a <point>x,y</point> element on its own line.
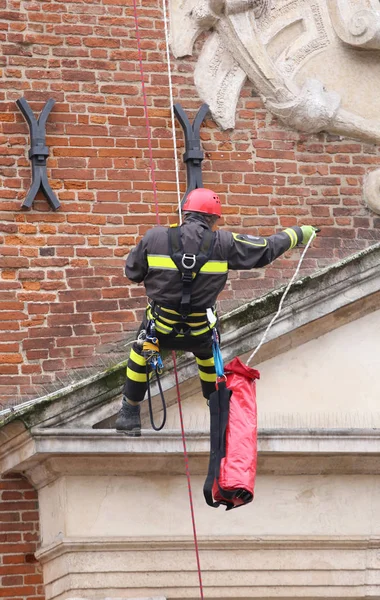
<point>12,580</point>
<point>13,592</point>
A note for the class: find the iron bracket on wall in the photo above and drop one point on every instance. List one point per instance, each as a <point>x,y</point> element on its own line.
<point>38,153</point>
<point>193,155</point>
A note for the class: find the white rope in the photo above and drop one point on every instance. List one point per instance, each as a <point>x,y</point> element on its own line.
<point>282,299</point>
<point>172,110</point>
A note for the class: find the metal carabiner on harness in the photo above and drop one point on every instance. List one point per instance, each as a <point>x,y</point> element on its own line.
<point>188,261</point>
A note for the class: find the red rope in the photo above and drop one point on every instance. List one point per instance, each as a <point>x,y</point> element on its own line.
<point>188,475</point>
<point>151,164</point>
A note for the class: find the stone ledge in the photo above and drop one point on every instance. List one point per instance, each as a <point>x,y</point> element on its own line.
<point>44,457</point>
<point>252,567</point>
<point>205,543</point>
<point>79,441</point>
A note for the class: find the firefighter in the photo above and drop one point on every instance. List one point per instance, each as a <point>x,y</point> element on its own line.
<point>184,269</point>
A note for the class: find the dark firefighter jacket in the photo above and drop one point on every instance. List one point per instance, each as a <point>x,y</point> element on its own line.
<point>150,261</point>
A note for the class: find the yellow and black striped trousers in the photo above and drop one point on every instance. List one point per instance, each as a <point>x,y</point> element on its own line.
<point>136,382</point>
<point>200,345</point>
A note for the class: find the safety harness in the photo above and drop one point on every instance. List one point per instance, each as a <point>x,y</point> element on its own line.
<point>187,264</point>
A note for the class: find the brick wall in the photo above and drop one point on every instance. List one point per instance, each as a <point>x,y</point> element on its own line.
<point>20,573</point>
<point>64,298</point>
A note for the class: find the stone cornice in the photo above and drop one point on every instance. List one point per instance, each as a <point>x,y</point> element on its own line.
<point>185,543</point>
<point>56,452</point>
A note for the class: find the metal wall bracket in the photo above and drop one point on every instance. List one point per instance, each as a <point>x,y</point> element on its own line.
<point>38,153</point>
<point>193,155</point>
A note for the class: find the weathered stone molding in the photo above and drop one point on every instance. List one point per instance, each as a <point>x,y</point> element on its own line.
<point>232,567</point>
<point>234,7</point>
<point>313,110</point>
<point>238,48</point>
<point>282,451</point>
<point>230,542</point>
<point>372,190</point>
<point>356,23</point>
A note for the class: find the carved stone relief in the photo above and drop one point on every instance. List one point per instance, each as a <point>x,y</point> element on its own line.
<point>304,57</point>
<point>372,190</point>
<point>356,23</point>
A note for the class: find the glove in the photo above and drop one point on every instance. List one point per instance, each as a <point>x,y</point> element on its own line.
<point>307,232</point>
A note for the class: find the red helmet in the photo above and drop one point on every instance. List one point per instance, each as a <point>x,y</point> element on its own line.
<point>203,200</point>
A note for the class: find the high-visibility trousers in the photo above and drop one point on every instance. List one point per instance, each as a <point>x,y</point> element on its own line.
<point>136,382</point>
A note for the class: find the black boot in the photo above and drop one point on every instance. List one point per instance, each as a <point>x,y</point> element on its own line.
<point>128,419</point>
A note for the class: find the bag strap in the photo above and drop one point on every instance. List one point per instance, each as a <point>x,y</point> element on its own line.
<point>219,405</point>
<point>189,265</point>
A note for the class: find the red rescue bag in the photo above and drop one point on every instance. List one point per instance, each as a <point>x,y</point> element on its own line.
<point>233,438</point>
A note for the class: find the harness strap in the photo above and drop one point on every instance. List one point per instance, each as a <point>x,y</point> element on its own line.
<point>152,422</point>
<point>189,264</point>
<point>219,404</point>
<point>151,353</point>
<point>170,323</point>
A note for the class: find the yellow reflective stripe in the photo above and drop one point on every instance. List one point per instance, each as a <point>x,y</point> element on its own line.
<point>160,330</point>
<point>293,237</point>
<point>161,261</point>
<point>204,330</point>
<point>137,358</point>
<point>161,318</point>
<point>206,362</point>
<point>207,376</point>
<point>158,261</point>
<point>140,377</point>
<point>174,312</point>
<point>237,239</point>
<point>215,266</point>
<point>169,329</point>
<point>163,326</point>
<point>169,310</point>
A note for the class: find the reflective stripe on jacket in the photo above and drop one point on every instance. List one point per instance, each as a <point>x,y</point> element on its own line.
<point>151,263</point>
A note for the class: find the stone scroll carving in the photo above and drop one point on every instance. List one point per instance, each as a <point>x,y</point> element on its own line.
<point>304,57</point>
<point>356,23</point>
